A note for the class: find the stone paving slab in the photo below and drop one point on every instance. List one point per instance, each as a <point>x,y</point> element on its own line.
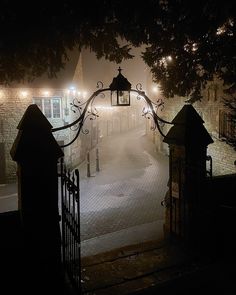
<point>119,239</point>
<point>135,268</point>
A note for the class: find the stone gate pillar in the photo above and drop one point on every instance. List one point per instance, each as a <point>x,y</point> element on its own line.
<point>188,140</point>
<point>36,152</point>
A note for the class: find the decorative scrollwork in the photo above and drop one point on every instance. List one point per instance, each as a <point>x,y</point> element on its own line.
<point>140,91</point>
<point>87,111</point>
<point>160,104</point>
<point>91,114</point>
<point>77,105</point>
<point>151,110</point>
<point>74,127</point>
<point>147,113</point>
<point>102,95</point>
<point>99,85</point>
<point>139,87</point>
<point>85,131</point>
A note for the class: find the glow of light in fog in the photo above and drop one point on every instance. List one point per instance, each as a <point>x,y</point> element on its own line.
<point>24,93</point>
<point>106,108</point>
<point>74,91</point>
<point>1,96</point>
<point>45,92</point>
<point>156,88</point>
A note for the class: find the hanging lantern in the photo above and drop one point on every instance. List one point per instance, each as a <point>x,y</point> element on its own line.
<point>120,90</point>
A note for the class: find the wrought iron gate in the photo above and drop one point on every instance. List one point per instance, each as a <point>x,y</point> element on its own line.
<point>70,225</point>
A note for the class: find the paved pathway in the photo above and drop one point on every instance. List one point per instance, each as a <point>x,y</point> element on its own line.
<point>121,204</point>
<point>8,197</point>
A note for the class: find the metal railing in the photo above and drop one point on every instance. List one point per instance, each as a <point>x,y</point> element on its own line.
<point>70,225</point>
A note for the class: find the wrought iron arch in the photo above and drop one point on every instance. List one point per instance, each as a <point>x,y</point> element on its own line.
<point>87,110</point>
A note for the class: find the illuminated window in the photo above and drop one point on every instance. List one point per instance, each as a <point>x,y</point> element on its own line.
<point>50,106</point>
<point>227,126</point>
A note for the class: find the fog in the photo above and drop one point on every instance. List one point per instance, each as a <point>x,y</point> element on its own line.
<point>95,70</point>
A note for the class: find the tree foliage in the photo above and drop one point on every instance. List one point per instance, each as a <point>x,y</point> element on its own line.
<point>187,42</point>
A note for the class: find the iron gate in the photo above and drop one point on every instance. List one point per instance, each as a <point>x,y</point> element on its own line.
<point>70,225</point>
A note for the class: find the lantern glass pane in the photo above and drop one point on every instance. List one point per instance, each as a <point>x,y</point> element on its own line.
<point>114,98</point>
<point>123,97</point>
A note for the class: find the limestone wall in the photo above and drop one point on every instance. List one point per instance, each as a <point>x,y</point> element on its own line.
<point>223,155</point>
<point>13,103</point>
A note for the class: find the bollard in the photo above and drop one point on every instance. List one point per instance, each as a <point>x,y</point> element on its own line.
<point>97,160</point>
<point>88,164</point>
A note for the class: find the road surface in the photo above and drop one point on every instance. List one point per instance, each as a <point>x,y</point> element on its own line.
<point>123,199</point>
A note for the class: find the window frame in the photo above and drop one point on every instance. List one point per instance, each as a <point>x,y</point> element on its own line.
<point>227,127</point>
<point>51,100</point>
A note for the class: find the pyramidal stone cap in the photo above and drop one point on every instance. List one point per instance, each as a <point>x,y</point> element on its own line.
<point>34,138</point>
<point>188,129</point>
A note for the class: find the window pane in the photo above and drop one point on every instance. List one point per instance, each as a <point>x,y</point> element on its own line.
<point>38,102</point>
<point>123,97</point>
<point>56,108</point>
<point>47,108</point>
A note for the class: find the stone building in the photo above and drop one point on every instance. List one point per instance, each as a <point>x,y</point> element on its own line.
<point>216,120</point>
<point>53,97</point>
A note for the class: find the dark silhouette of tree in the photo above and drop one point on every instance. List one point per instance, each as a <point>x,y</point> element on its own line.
<point>187,42</point>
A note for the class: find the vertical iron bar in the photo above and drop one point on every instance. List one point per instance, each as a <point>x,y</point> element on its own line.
<point>175,216</point>
<point>78,227</point>
<point>180,200</point>
<point>62,212</point>
<point>69,210</point>
<point>70,207</point>
<point>68,221</point>
<point>73,226</point>
<point>170,190</point>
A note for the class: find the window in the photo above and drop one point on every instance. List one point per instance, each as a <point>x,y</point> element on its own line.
<point>227,126</point>
<point>50,106</point>
<point>212,92</point>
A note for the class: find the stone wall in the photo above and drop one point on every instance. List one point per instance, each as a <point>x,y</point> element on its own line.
<point>223,155</point>
<point>13,103</point>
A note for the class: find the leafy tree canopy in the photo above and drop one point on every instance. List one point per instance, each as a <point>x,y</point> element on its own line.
<point>187,42</point>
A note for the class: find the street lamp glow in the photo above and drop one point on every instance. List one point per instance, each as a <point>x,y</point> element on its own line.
<point>1,93</point>
<point>24,93</point>
<point>156,88</point>
<point>45,92</point>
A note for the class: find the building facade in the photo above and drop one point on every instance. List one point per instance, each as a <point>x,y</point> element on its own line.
<point>216,119</point>
<point>14,101</point>
<point>56,104</point>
